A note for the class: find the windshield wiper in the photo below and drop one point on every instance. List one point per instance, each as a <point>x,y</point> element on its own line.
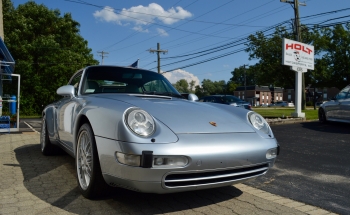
<point>162,94</point>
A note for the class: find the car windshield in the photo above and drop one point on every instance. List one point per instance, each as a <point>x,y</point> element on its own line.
<point>111,79</point>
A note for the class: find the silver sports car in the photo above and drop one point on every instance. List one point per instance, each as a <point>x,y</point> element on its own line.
<point>128,127</point>
<point>337,109</point>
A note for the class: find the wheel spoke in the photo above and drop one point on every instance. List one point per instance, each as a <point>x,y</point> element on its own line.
<point>84,159</point>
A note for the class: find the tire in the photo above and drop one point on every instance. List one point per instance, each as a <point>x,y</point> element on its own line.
<point>89,176</point>
<point>47,148</point>
<point>322,116</point>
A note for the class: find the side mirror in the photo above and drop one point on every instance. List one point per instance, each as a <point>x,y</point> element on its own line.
<point>233,104</point>
<point>192,97</point>
<point>67,90</point>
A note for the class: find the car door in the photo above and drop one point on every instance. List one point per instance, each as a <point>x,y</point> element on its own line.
<point>65,115</point>
<point>333,108</point>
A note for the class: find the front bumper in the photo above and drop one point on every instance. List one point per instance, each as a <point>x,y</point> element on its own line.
<point>216,160</point>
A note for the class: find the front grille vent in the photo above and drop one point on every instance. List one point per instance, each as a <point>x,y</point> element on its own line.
<point>214,177</point>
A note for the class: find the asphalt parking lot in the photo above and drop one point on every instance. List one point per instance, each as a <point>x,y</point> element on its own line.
<point>31,183</point>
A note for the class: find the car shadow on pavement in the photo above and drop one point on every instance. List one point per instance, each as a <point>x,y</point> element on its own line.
<point>329,127</point>
<point>53,180</point>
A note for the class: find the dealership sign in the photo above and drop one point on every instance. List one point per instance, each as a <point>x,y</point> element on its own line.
<point>297,55</point>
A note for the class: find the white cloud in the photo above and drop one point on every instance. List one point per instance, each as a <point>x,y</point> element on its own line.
<point>140,29</point>
<point>162,32</point>
<point>139,14</point>
<point>179,74</point>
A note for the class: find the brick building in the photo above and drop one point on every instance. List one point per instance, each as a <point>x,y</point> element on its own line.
<point>259,95</point>
<point>264,95</point>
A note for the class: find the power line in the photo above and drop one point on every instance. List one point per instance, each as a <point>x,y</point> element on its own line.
<point>231,53</point>
<point>193,20</point>
<point>215,32</point>
<point>266,29</point>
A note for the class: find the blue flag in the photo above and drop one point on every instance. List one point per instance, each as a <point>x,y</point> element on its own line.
<point>136,64</point>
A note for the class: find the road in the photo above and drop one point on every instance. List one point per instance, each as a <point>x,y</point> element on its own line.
<point>313,167</point>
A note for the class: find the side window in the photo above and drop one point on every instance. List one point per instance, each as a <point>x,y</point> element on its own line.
<point>343,93</point>
<point>75,82</point>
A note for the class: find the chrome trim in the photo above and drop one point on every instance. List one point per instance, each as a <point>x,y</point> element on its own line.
<point>175,180</point>
<point>221,176</point>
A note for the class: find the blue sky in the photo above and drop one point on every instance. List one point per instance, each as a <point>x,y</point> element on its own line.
<point>128,29</point>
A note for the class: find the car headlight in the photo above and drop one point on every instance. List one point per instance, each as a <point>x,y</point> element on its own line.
<point>140,122</point>
<point>258,122</point>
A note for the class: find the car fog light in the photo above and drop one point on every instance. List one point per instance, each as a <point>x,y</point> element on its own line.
<point>169,161</point>
<point>127,159</point>
<point>158,161</point>
<point>271,153</point>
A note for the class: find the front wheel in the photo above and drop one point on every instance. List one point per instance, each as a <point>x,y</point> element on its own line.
<point>322,116</point>
<point>89,175</point>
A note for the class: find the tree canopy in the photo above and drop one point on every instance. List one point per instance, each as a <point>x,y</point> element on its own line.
<point>47,48</point>
<point>332,58</point>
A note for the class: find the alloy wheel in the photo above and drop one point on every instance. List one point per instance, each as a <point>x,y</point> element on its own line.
<point>84,160</point>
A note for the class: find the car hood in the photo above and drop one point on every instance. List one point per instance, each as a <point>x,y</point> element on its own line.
<point>183,116</point>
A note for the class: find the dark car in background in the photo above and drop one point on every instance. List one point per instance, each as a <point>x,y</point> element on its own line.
<point>281,104</point>
<point>227,99</point>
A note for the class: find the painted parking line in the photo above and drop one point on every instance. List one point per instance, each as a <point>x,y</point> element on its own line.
<point>31,127</point>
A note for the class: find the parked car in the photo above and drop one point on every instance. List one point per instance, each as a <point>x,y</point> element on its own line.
<point>318,104</point>
<point>281,104</point>
<point>130,128</point>
<point>337,109</point>
<point>227,99</point>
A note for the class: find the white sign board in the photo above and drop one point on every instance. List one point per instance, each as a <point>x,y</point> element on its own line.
<point>297,54</point>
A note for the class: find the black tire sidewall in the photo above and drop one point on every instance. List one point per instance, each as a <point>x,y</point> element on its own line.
<point>322,116</point>
<point>48,147</point>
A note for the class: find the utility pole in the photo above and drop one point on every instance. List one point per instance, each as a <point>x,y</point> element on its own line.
<point>158,54</point>
<point>245,82</point>
<point>102,54</point>
<point>295,4</point>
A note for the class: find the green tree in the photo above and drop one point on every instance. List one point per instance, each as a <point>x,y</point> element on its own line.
<point>211,88</point>
<point>248,76</point>
<point>333,68</point>
<point>47,48</point>
<point>332,59</point>
<point>268,52</point>
<point>182,86</point>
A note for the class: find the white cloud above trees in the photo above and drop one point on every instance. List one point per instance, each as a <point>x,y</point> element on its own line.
<point>142,15</point>
<point>179,74</point>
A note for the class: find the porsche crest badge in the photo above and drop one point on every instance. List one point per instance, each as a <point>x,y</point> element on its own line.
<point>213,123</point>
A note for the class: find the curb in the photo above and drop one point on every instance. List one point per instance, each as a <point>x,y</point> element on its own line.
<point>290,203</point>
<point>278,121</point>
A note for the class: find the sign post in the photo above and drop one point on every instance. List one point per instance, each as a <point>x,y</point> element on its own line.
<point>300,58</point>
